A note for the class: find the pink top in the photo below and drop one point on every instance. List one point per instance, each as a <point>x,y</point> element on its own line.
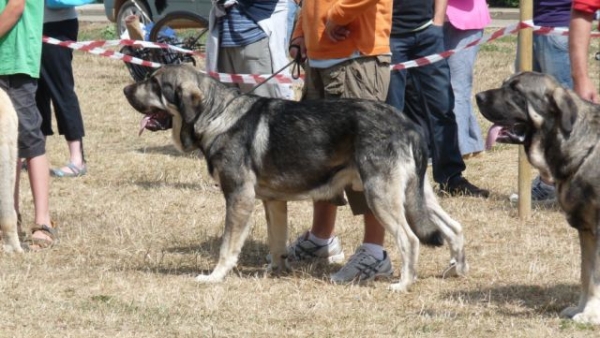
<point>468,14</point>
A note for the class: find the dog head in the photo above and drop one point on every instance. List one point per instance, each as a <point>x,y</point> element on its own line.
<point>534,110</point>
<point>172,97</point>
<point>527,103</point>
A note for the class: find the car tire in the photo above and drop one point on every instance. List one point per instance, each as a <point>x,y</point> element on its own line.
<point>129,8</point>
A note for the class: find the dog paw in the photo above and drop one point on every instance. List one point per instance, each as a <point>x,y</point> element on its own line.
<point>277,270</point>
<point>456,269</point>
<point>570,312</point>
<point>10,249</point>
<point>587,317</point>
<point>399,287</point>
<point>208,279</point>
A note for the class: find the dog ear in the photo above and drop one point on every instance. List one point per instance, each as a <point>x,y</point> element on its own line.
<point>566,108</point>
<point>190,101</point>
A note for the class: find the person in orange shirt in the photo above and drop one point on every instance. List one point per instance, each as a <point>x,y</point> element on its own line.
<point>580,27</point>
<point>347,46</point>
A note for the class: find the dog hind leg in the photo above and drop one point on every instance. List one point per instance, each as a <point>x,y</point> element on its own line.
<point>451,231</point>
<point>276,214</point>
<point>239,207</point>
<point>385,199</point>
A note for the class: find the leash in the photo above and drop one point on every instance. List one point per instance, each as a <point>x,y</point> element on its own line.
<point>296,62</point>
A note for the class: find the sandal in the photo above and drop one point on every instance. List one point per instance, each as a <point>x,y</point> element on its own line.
<point>75,171</point>
<point>36,244</point>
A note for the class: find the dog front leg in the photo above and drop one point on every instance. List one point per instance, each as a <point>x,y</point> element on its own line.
<point>589,304</point>
<point>586,248</point>
<point>276,213</point>
<point>239,207</point>
<point>8,226</point>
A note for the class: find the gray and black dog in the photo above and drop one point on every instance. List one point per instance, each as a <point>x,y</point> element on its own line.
<point>560,133</point>
<point>279,150</point>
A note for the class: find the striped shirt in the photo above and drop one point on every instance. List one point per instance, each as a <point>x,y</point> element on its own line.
<point>238,30</point>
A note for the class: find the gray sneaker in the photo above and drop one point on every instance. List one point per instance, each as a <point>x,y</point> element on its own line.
<point>363,267</point>
<point>541,193</point>
<point>305,249</point>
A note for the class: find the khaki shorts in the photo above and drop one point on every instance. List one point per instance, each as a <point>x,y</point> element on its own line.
<point>362,78</point>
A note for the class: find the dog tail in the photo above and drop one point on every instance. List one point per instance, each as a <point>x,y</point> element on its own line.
<point>419,214</point>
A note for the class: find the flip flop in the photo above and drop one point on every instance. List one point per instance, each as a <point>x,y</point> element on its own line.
<point>75,171</point>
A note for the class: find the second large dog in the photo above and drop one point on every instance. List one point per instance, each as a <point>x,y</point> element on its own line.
<point>561,134</point>
<point>279,150</point>
<point>9,125</point>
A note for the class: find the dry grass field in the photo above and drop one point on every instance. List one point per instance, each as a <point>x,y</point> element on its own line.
<point>146,219</point>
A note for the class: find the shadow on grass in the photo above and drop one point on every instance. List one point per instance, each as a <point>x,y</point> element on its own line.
<point>252,262</point>
<point>168,149</point>
<point>154,185</point>
<point>519,300</point>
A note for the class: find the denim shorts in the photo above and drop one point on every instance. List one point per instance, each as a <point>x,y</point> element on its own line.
<point>21,89</point>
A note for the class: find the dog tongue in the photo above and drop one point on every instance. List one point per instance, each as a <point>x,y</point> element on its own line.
<point>143,124</point>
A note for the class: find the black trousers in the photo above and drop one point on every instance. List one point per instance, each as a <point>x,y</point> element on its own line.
<point>56,84</point>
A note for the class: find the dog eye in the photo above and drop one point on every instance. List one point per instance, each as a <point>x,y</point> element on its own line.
<point>514,85</point>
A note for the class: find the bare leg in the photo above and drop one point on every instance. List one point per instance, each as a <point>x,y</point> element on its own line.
<point>75,156</point>
<point>374,232</point>
<point>324,214</point>
<point>39,179</point>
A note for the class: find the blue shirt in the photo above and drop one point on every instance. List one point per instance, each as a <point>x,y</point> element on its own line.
<point>238,30</point>
<point>552,13</point>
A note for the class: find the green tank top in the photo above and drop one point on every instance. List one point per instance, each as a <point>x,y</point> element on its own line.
<point>21,47</point>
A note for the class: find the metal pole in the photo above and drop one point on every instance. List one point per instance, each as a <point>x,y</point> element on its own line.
<point>525,64</point>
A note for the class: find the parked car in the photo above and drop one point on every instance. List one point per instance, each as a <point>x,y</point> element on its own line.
<point>118,10</point>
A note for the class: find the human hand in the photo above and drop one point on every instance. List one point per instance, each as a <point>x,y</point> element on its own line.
<point>297,49</point>
<point>131,18</point>
<point>336,32</point>
<point>586,89</point>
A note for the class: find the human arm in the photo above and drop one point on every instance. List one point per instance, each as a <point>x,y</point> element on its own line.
<point>579,41</point>
<point>10,15</point>
<point>342,13</point>
<point>439,12</point>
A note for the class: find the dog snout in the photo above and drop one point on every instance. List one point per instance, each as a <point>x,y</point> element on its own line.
<point>128,90</point>
<point>481,98</point>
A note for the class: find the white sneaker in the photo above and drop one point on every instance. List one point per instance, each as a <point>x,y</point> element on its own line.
<point>541,193</point>
<point>363,267</point>
<point>305,249</point>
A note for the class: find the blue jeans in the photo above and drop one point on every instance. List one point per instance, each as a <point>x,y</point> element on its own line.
<point>425,95</point>
<point>551,56</point>
<point>461,65</point>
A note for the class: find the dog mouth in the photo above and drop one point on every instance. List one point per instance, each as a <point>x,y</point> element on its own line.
<point>513,134</point>
<point>155,121</point>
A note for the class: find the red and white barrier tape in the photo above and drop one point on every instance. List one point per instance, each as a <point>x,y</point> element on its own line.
<point>94,48</point>
<point>139,43</point>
